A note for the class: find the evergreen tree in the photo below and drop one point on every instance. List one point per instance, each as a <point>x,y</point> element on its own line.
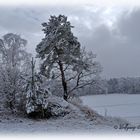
<point>36,97</point>
<point>62,56</point>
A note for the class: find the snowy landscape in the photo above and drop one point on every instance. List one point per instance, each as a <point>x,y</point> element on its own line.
<point>117,109</point>
<point>116,105</point>
<point>65,71</point>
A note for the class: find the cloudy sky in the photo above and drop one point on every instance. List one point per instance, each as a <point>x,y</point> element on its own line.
<point>111,32</point>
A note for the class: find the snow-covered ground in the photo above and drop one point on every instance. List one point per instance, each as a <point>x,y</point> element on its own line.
<point>77,121</point>
<point>116,105</point>
<point>73,123</point>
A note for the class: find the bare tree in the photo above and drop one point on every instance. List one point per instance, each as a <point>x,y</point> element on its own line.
<point>85,73</point>
<point>14,63</point>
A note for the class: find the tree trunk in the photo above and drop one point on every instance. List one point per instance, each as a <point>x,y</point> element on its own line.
<point>64,83</point>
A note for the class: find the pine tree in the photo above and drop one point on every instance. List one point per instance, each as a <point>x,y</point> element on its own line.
<point>63,58</point>
<point>59,49</point>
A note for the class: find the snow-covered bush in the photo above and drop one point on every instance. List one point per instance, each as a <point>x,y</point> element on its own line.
<point>57,106</point>
<point>40,103</point>
<point>47,106</point>
<point>36,100</point>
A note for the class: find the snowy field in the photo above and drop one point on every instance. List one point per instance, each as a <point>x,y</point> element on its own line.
<point>116,105</point>
<point>125,106</point>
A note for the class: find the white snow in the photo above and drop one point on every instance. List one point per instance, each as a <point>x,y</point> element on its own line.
<point>71,124</point>
<point>116,105</point>
<point>75,122</point>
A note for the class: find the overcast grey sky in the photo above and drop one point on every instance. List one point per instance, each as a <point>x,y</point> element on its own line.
<point>113,33</point>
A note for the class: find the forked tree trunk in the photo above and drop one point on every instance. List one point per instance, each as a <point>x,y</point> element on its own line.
<point>64,83</point>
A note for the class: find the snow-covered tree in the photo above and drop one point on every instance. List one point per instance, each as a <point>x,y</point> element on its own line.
<point>85,72</point>
<point>63,57</point>
<point>14,64</point>
<point>129,85</point>
<point>36,96</point>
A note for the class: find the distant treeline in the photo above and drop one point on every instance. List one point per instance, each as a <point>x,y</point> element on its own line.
<point>124,85</point>
<point>129,85</point>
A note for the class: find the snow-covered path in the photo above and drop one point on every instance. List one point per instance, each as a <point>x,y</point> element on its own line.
<point>116,105</point>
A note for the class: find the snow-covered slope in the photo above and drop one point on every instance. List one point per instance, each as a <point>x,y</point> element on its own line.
<point>80,120</point>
